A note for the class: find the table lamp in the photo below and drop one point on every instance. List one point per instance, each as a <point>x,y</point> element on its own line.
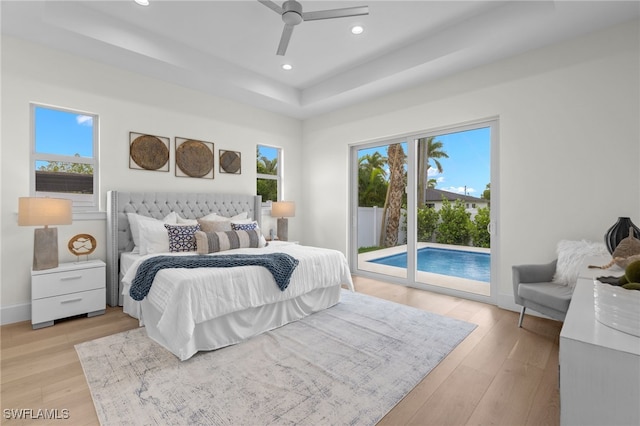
<point>34,211</point>
<point>282,210</point>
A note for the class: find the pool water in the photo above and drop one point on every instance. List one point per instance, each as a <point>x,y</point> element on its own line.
<point>455,263</point>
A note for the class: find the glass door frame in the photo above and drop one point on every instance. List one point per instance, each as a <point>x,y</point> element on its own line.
<point>412,147</point>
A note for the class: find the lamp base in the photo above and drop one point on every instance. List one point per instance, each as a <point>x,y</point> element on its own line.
<point>45,248</point>
<point>283,229</point>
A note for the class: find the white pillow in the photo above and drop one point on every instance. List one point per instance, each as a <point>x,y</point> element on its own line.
<point>154,237</point>
<point>135,219</point>
<point>571,254</point>
<point>183,221</point>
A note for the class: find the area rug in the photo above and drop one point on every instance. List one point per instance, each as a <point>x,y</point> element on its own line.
<point>347,365</point>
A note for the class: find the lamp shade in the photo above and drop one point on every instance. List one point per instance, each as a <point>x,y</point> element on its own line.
<point>283,209</point>
<point>33,211</point>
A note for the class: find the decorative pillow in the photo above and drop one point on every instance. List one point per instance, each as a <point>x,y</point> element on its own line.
<point>214,225</point>
<point>217,217</point>
<point>135,219</point>
<point>244,226</point>
<point>571,254</point>
<point>249,225</point>
<point>182,221</point>
<point>182,237</point>
<point>212,242</point>
<point>154,237</point>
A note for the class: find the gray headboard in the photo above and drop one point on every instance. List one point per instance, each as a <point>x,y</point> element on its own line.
<point>158,205</point>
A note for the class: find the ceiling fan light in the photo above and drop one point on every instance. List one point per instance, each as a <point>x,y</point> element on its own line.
<point>142,2</point>
<point>357,29</point>
<point>291,18</point>
<point>287,67</point>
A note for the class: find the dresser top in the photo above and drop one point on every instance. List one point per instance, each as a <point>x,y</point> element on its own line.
<point>581,324</point>
<point>71,266</point>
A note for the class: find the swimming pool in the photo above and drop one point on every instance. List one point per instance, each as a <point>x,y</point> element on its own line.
<point>456,263</point>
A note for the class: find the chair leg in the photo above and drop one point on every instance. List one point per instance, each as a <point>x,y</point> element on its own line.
<point>521,317</point>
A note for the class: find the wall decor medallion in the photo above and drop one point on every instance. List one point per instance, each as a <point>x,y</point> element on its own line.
<point>148,152</point>
<point>82,245</point>
<point>230,162</point>
<point>194,158</point>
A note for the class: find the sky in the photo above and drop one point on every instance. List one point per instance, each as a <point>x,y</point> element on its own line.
<point>64,133</point>
<point>468,165</point>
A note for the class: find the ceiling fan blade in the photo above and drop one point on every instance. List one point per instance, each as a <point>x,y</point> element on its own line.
<point>335,13</point>
<point>284,40</point>
<point>271,5</point>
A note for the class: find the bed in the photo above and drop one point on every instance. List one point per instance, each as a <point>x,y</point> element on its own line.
<point>192,310</point>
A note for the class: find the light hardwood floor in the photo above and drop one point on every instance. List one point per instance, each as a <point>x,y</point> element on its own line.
<point>499,375</point>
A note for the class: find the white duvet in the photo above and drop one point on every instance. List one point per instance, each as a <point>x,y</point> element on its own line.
<point>187,297</point>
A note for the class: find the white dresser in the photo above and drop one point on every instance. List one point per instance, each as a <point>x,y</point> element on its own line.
<point>70,289</point>
<point>599,366</point>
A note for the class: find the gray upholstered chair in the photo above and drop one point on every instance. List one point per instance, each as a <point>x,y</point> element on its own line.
<point>533,288</point>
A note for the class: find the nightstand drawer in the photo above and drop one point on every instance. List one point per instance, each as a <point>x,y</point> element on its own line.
<point>65,282</point>
<point>67,305</point>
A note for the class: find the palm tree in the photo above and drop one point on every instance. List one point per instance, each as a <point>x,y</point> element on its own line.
<point>268,188</point>
<point>428,149</point>
<point>393,203</point>
<point>372,182</point>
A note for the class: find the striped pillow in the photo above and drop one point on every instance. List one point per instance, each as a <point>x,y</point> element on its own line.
<point>212,242</point>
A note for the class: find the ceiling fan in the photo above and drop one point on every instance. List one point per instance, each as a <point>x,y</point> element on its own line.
<point>292,15</point>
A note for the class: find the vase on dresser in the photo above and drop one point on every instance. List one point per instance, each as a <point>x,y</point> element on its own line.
<point>618,232</point>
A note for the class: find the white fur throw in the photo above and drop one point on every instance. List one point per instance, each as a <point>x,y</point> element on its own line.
<point>571,254</point>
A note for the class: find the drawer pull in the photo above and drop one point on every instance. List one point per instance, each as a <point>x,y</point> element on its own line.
<point>72,277</point>
<point>71,300</point>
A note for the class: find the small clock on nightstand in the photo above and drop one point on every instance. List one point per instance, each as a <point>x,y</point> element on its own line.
<point>70,289</point>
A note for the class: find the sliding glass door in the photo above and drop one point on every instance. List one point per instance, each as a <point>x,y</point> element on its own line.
<point>453,197</point>
<point>422,209</point>
<point>381,206</point>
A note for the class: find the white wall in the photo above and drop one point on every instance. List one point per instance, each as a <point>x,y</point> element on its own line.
<point>124,102</point>
<point>569,150</point>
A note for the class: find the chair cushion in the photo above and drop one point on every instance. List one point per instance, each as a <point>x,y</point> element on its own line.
<point>555,296</point>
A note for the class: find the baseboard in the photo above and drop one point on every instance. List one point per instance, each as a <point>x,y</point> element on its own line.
<point>15,313</point>
<point>505,301</point>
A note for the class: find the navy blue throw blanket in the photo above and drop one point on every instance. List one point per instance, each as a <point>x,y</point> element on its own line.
<point>281,266</point>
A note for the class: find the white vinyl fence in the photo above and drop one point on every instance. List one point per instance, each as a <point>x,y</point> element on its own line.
<point>369,226</point>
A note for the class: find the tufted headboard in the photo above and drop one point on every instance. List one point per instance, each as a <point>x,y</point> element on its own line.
<point>158,205</point>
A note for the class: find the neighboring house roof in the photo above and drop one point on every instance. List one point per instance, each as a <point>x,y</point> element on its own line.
<point>434,195</point>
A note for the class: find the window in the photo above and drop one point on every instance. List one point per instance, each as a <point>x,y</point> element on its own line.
<point>269,171</point>
<point>64,155</point>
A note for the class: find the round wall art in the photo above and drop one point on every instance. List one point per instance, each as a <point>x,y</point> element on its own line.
<point>148,152</point>
<point>230,162</point>
<point>82,244</point>
<point>194,158</point>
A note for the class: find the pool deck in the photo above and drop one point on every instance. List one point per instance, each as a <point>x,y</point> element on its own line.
<point>456,283</point>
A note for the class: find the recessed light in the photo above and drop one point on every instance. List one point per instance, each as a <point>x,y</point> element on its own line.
<point>357,29</point>
<point>142,2</point>
<point>287,67</point>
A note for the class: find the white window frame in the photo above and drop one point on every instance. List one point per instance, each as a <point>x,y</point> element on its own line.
<point>277,177</point>
<point>81,202</point>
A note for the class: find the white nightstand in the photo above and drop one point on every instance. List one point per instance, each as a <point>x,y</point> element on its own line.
<point>70,289</point>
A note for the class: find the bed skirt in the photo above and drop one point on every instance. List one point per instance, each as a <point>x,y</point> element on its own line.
<point>238,326</point>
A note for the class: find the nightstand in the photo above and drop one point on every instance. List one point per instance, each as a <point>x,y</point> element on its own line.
<point>70,289</point>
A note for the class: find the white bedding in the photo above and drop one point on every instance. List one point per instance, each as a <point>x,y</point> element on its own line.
<point>187,297</point>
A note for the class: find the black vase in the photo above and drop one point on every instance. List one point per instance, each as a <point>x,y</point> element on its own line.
<point>618,232</point>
